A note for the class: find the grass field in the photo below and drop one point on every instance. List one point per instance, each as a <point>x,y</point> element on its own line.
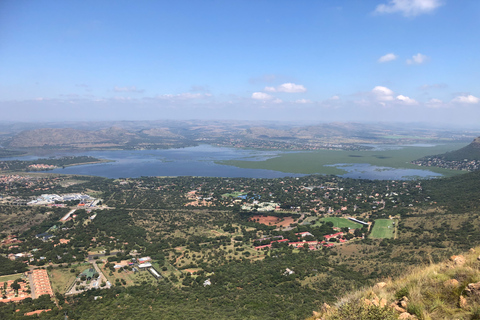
<point>314,162</point>
<point>11,277</point>
<point>383,228</point>
<point>62,278</point>
<point>342,222</point>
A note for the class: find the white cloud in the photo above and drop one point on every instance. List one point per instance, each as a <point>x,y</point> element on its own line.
<point>184,96</point>
<point>382,93</point>
<point>466,99</point>
<point>261,96</point>
<point>127,89</point>
<point>270,89</point>
<point>277,101</point>
<point>334,98</point>
<point>287,87</point>
<point>417,59</point>
<point>434,103</point>
<point>409,8</point>
<point>433,86</point>
<point>406,99</point>
<point>388,57</point>
<point>303,101</point>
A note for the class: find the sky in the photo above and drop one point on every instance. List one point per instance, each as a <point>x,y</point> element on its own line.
<point>295,60</point>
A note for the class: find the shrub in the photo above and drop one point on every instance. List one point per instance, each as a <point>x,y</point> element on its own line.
<point>404,292</point>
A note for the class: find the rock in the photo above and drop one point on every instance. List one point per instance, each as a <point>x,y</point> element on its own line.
<point>403,304</point>
<point>316,314</point>
<point>472,250</point>
<point>325,307</point>
<point>473,289</point>
<point>452,283</point>
<point>407,316</point>
<point>383,303</point>
<point>458,261</point>
<point>397,308</point>
<point>463,302</point>
<point>380,285</point>
<point>367,302</point>
<point>478,258</point>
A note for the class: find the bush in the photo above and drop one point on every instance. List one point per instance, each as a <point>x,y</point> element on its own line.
<point>404,292</point>
<point>415,310</point>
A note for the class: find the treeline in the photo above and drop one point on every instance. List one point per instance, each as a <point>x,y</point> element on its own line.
<point>23,165</point>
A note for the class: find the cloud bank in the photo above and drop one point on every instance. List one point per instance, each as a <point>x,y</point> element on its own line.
<point>408,8</point>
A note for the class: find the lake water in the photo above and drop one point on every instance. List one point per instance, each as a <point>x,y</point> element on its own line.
<point>202,161</point>
<point>191,161</point>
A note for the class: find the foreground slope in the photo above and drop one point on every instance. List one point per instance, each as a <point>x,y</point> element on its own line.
<point>448,290</point>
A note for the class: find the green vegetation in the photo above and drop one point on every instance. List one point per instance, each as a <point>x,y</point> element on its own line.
<point>316,162</point>
<point>61,278</point>
<point>8,267</point>
<point>31,165</point>
<point>342,222</point>
<point>383,229</point>
<point>11,277</point>
<point>6,153</point>
<point>189,245</point>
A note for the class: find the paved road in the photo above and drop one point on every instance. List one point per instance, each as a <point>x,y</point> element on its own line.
<point>32,287</point>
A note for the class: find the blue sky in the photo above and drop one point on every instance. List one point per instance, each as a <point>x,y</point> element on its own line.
<point>313,60</point>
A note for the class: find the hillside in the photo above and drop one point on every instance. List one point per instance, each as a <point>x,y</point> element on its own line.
<point>49,137</point>
<point>466,158</point>
<point>448,290</point>
<point>112,137</point>
<point>470,152</point>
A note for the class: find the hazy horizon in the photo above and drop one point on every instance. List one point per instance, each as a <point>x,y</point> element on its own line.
<point>403,61</point>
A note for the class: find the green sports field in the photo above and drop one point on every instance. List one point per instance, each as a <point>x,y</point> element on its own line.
<point>342,222</point>
<point>383,228</point>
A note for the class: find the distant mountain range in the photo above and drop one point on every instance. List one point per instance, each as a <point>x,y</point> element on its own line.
<point>169,134</point>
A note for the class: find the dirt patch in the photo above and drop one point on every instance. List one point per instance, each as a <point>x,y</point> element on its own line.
<point>273,221</point>
<point>192,270</point>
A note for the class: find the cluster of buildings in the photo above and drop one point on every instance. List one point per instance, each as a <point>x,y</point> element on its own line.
<point>143,263</point>
<point>311,244</point>
<point>9,294</point>
<point>465,165</point>
<point>32,285</point>
<point>10,240</point>
<point>40,282</point>
<point>41,167</point>
<point>48,199</point>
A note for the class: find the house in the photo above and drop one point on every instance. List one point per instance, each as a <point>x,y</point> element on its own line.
<point>264,246</point>
<point>145,265</point>
<point>44,236</point>
<point>337,235</point>
<point>144,259</point>
<point>288,272</point>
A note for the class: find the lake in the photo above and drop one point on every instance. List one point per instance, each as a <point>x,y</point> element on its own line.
<point>212,161</point>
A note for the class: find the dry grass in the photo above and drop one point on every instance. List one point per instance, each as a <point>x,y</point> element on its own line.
<point>434,291</point>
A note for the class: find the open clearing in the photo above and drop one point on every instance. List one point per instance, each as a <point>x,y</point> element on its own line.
<point>383,228</point>
<point>342,222</point>
<point>273,221</point>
